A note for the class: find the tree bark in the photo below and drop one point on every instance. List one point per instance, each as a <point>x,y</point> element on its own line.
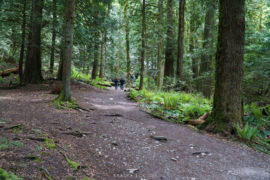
<point>127,44</point>
<point>23,42</point>
<point>195,63</point>
<point>181,28</point>
<point>207,56</point>
<point>169,58</point>
<point>119,55</point>
<point>228,101</point>
<point>103,55</point>
<point>96,47</point>
<point>143,46</point>
<point>160,57</point>
<point>32,72</point>
<point>68,44</point>
<point>60,66</point>
<point>53,36</point>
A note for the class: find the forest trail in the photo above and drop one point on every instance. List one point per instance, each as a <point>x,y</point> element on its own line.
<point>114,141</point>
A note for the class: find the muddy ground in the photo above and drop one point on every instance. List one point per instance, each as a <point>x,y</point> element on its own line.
<point>110,138</point>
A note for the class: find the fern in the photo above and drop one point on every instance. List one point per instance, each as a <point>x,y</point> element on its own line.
<point>247,133</point>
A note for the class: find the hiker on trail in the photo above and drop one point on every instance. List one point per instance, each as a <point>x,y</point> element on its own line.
<point>122,82</point>
<point>116,82</point>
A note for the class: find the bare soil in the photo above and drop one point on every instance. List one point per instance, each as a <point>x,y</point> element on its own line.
<point>110,138</point>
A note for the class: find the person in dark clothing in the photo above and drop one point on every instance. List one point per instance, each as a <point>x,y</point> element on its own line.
<point>122,82</point>
<point>116,82</point>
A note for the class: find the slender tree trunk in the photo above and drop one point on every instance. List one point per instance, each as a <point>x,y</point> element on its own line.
<point>207,56</point>
<point>143,46</point>
<point>127,44</point>
<point>103,55</point>
<point>181,28</point>
<point>119,55</point>
<point>53,36</point>
<point>95,65</point>
<point>104,48</point>
<point>160,57</point>
<point>68,44</point>
<point>228,101</point>
<point>195,63</point>
<point>60,67</point>
<point>169,58</point>
<point>148,72</point>
<point>32,72</point>
<point>23,42</point>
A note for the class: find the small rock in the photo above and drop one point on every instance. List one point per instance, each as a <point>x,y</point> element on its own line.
<point>172,151</point>
<point>126,141</point>
<point>159,138</point>
<point>132,171</point>
<point>114,143</point>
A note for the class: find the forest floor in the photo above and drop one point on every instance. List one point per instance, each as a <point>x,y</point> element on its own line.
<point>111,138</point>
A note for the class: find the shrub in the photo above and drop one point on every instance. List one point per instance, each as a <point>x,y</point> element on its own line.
<point>171,105</point>
<point>1,80</point>
<point>80,76</point>
<point>171,102</point>
<point>247,133</point>
<point>194,110</point>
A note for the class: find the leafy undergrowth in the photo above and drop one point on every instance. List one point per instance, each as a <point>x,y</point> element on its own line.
<point>86,78</point>
<point>172,106</point>
<point>80,76</point>
<point>4,175</point>
<point>100,83</point>
<point>256,129</point>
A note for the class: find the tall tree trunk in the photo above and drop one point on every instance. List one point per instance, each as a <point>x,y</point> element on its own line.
<point>143,46</point>
<point>195,63</point>
<point>207,56</point>
<point>60,66</point>
<point>127,44</point>
<point>53,36</point>
<point>23,41</point>
<point>228,101</point>
<point>104,47</point>
<point>96,47</point>
<point>148,71</point>
<point>181,28</point>
<point>160,57</point>
<point>169,58</point>
<point>32,72</point>
<point>68,44</point>
<point>119,55</point>
<point>103,55</point>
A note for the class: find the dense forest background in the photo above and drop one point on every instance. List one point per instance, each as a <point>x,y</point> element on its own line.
<point>100,37</point>
<point>155,45</point>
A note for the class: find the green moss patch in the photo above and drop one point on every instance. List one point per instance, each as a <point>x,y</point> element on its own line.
<point>6,143</point>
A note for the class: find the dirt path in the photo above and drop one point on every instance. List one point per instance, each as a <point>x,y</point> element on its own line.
<point>116,141</point>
